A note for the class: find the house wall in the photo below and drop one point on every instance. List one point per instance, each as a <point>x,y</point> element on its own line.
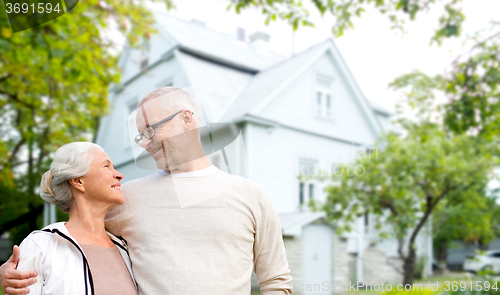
<point>378,268</point>
<point>274,153</point>
<point>293,247</point>
<point>296,106</point>
<point>340,263</point>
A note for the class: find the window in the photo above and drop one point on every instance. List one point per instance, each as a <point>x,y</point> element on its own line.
<point>308,170</point>
<point>301,193</point>
<point>324,97</point>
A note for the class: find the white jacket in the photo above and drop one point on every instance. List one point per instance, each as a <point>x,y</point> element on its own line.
<point>60,261</point>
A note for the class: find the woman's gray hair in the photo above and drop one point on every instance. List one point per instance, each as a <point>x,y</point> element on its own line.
<point>71,161</point>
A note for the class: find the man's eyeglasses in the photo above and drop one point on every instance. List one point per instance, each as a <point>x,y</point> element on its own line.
<point>150,131</point>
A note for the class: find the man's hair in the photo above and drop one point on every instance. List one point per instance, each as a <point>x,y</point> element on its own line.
<point>174,99</point>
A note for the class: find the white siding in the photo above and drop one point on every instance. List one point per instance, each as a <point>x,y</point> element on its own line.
<point>273,157</point>
<point>296,106</point>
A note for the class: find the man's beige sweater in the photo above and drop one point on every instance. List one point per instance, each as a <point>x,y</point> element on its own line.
<point>201,233</point>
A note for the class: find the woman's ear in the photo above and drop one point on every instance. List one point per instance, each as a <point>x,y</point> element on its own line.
<point>77,184</point>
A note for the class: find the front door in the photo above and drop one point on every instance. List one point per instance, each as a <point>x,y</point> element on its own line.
<point>317,259</point>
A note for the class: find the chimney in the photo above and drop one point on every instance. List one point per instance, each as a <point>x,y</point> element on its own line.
<point>240,34</point>
<point>259,41</point>
<point>198,22</point>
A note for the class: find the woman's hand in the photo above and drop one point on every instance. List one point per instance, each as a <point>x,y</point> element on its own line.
<point>13,281</point>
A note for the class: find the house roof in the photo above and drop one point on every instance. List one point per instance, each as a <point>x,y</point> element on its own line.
<point>213,85</point>
<point>265,83</point>
<point>380,108</point>
<point>204,42</point>
<point>292,223</point>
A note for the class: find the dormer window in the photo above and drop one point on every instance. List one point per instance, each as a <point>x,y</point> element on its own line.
<point>324,97</point>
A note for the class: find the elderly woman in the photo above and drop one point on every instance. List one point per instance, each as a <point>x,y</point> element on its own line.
<point>79,256</point>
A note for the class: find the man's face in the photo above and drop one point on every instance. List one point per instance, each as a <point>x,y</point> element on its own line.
<point>167,145</point>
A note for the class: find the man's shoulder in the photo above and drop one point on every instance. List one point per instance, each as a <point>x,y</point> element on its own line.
<point>245,184</point>
<point>140,182</point>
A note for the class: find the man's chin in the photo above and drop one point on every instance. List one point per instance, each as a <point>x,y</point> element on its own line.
<point>161,165</point>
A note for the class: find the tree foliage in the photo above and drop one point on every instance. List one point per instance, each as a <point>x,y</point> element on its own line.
<point>405,181</point>
<point>469,86</point>
<point>469,222</point>
<point>54,82</point>
<point>345,11</point>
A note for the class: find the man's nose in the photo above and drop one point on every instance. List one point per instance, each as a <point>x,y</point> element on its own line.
<point>145,142</point>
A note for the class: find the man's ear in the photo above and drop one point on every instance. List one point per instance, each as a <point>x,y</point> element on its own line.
<point>188,119</point>
<point>77,183</point>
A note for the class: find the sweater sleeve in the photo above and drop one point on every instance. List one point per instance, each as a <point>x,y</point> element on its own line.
<point>32,258</point>
<point>271,265</point>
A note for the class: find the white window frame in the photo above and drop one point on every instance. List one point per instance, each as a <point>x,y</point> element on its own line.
<point>307,182</point>
<point>324,97</point>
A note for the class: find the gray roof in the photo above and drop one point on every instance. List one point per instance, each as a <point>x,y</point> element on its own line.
<point>265,82</point>
<point>213,85</point>
<point>207,43</point>
<point>380,108</point>
<point>292,223</point>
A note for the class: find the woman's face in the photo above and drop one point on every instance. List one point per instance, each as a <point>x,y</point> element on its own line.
<point>102,182</point>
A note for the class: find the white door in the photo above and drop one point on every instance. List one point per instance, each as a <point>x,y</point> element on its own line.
<point>317,259</point>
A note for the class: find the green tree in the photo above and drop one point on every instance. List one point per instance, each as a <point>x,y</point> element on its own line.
<point>468,221</point>
<point>406,180</point>
<point>470,86</point>
<point>345,11</point>
<point>54,82</point>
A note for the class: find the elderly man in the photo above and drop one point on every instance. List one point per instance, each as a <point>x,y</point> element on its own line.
<point>191,228</point>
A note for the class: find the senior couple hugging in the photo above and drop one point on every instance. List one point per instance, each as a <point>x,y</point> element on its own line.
<point>188,229</point>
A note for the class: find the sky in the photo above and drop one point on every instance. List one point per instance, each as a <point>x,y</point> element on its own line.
<point>375,54</point>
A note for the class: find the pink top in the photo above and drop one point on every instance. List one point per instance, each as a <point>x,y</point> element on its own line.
<point>109,272</point>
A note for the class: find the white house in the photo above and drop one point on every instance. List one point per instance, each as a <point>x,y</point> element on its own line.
<point>297,115</point>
